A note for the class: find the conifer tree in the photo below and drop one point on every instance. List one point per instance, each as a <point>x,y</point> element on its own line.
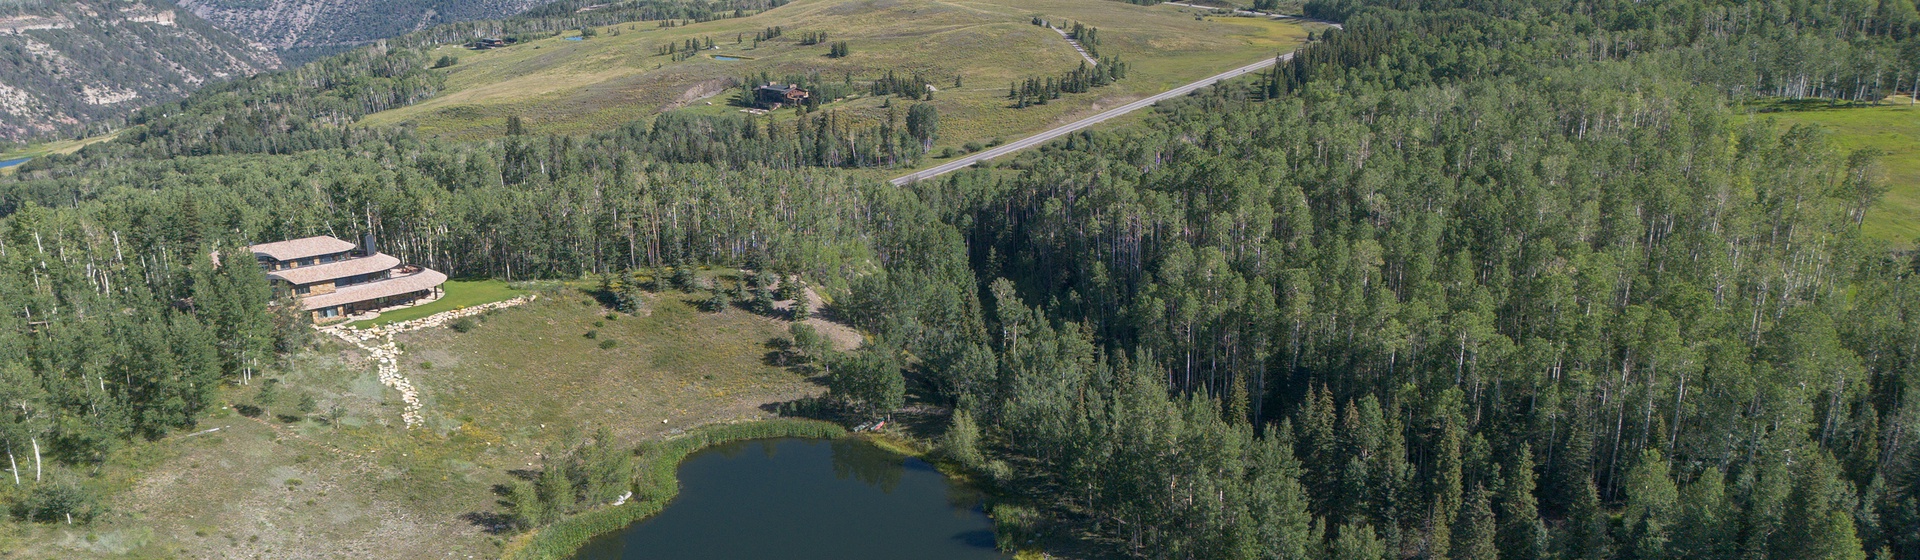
<point>1650,506</point>
<point>1522,535</point>
<point>1585,536</point>
<point>1475,534</point>
<point>1705,528</point>
<point>1357,542</point>
<point>1819,521</point>
<point>1278,502</point>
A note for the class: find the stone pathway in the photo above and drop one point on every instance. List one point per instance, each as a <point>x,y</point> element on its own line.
<point>386,353</point>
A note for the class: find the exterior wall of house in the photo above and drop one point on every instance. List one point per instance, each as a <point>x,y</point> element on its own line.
<point>375,304</point>
<point>273,265</point>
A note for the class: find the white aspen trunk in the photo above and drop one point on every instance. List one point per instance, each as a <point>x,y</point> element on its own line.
<point>1679,398</point>
<point>36,459</point>
<point>13,465</point>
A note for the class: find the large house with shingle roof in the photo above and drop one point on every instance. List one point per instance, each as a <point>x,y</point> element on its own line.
<point>334,278</point>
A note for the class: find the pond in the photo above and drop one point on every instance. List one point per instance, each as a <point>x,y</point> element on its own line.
<point>722,57</point>
<point>805,499</point>
<point>576,38</point>
<point>12,162</point>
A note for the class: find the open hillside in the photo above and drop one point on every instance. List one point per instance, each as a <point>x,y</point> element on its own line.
<point>302,28</point>
<point>969,51</point>
<point>67,64</point>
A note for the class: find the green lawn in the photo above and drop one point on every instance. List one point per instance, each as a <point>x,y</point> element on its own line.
<point>1893,127</point>
<point>460,293</point>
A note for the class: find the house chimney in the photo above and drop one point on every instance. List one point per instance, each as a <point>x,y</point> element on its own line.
<point>368,246</point>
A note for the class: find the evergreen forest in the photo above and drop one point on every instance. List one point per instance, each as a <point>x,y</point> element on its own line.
<point>1466,279</point>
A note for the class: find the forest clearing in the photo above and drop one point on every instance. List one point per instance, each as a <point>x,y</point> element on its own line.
<point>1892,127</point>
<point>327,468</point>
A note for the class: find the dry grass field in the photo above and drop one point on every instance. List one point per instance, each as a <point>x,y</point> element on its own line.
<point>577,86</point>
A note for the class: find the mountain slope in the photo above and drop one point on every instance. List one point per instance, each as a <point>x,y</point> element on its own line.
<point>301,29</point>
<point>67,64</point>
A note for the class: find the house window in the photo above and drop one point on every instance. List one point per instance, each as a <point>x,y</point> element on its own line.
<point>302,290</point>
<point>330,312</point>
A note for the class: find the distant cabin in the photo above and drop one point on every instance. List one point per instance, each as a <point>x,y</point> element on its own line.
<point>775,96</point>
<point>488,43</point>
<point>334,278</point>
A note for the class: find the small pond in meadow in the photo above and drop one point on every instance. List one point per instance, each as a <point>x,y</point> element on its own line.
<point>802,499</point>
<point>576,38</point>
<point>725,58</point>
<point>12,162</point>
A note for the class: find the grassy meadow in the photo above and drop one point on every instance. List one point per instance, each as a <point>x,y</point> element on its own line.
<point>578,86</point>
<point>344,478</point>
<point>51,147</point>
<point>1894,128</point>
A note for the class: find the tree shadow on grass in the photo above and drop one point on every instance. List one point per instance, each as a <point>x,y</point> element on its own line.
<point>493,523</point>
<point>812,408</point>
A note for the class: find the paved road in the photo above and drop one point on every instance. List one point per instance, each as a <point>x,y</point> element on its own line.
<point>1075,126</point>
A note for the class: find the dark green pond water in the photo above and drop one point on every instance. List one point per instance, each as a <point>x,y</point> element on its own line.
<point>806,499</point>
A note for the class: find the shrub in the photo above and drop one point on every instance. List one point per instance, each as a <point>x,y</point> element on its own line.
<point>269,393</point>
<point>1013,525</point>
<point>592,334</point>
<point>972,147</point>
<point>1000,471</point>
<point>790,291</point>
<point>762,302</point>
<point>464,324</point>
<point>808,340</point>
<point>683,279</point>
<point>59,502</point>
<point>608,344</point>
<point>961,443</point>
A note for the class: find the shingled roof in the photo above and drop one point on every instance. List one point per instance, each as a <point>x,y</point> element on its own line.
<point>338,269</point>
<point>302,248</point>
<point>426,278</point>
